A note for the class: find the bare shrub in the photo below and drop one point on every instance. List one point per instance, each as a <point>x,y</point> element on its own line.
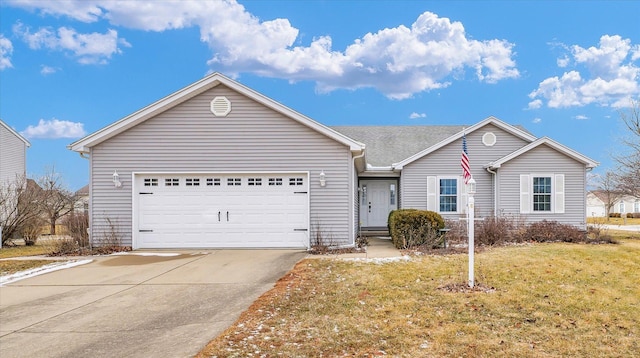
<point>494,231</point>
<point>553,231</point>
<point>457,234</point>
<point>322,242</point>
<point>66,247</point>
<point>31,231</point>
<point>77,225</point>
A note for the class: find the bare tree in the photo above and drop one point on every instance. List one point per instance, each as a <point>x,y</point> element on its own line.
<point>57,201</point>
<point>628,175</point>
<point>609,189</point>
<point>19,208</point>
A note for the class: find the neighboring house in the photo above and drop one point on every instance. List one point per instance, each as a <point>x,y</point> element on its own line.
<point>217,164</point>
<point>82,200</point>
<point>620,204</point>
<point>13,154</point>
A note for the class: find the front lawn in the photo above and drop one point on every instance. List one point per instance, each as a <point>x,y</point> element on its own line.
<point>614,221</point>
<point>553,300</point>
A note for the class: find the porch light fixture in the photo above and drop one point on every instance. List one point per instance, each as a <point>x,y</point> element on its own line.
<point>471,186</point>
<point>116,179</point>
<point>323,179</point>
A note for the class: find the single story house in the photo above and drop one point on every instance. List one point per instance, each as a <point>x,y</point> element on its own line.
<point>217,164</point>
<point>620,203</point>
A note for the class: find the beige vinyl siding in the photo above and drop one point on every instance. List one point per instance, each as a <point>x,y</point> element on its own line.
<point>544,160</point>
<point>446,162</point>
<point>252,138</point>
<point>13,152</point>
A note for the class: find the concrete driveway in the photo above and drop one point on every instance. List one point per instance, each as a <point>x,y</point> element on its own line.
<point>136,306</point>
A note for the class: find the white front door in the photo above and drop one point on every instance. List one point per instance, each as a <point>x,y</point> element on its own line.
<point>377,199</point>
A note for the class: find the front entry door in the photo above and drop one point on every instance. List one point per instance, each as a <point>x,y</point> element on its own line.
<point>377,199</point>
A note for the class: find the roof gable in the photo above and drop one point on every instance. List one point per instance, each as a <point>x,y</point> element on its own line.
<point>23,139</point>
<point>82,145</point>
<point>590,163</point>
<point>490,120</point>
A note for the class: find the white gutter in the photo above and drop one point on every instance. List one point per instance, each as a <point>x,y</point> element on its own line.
<point>495,191</point>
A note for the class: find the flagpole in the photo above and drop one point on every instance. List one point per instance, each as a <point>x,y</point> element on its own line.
<point>470,223</point>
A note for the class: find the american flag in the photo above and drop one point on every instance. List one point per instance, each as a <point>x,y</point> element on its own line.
<point>464,162</point>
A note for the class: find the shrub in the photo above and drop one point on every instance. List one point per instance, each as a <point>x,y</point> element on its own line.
<point>494,231</point>
<point>410,228</point>
<point>552,231</point>
<point>77,227</point>
<point>614,215</point>
<point>457,233</point>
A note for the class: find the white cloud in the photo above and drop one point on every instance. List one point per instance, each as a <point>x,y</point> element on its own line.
<point>6,49</point>
<point>581,117</point>
<point>398,62</point>
<point>48,70</point>
<point>415,115</point>
<point>536,120</point>
<point>91,48</point>
<point>54,129</point>
<point>604,75</point>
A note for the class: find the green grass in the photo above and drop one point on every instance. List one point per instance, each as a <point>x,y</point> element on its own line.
<point>551,300</point>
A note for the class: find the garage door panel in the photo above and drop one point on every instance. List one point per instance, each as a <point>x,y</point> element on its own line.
<point>237,215</point>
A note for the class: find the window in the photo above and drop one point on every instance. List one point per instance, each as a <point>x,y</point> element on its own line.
<point>192,182</point>
<point>275,181</point>
<point>541,193</point>
<point>171,182</point>
<point>234,181</point>
<point>213,181</point>
<point>150,182</point>
<point>636,206</point>
<point>254,181</point>
<point>392,194</point>
<point>621,206</point>
<point>448,195</point>
<point>295,181</point>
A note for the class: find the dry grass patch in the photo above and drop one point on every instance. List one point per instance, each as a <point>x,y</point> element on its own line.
<point>552,300</point>
<point>22,250</point>
<point>614,221</point>
<point>8,267</point>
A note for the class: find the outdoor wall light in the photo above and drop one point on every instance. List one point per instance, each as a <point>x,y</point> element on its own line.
<point>116,179</point>
<point>471,186</point>
<point>323,179</point>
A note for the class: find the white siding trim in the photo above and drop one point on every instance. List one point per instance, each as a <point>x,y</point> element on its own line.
<point>432,193</point>
<point>558,197</point>
<point>525,194</point>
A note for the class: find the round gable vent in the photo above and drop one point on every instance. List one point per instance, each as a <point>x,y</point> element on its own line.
<point>489,139</point>
<point>220,106</point>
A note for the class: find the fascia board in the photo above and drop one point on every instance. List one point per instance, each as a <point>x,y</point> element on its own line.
<point>490,120</point>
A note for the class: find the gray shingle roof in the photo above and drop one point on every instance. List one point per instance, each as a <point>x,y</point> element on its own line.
<point>386,145</point>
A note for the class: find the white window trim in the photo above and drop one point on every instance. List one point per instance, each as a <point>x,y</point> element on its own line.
<point>557,193</point>
<point>433,194</point>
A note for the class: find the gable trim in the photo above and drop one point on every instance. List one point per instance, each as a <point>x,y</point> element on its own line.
<point>490,120</point>
<point>84,144</point>
<point>23,139</point>
<point>588,162</point>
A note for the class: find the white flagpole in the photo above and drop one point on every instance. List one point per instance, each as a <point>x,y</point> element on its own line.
<point>470,230</point>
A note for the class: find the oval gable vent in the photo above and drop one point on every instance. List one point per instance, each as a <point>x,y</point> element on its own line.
<point>220,106</point>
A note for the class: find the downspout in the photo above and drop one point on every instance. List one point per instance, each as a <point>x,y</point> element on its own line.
<point>352,171</point>
<point>495,191</point>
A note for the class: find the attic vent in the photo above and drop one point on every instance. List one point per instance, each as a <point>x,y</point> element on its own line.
<point>220,106</point>
<point>489,139</point>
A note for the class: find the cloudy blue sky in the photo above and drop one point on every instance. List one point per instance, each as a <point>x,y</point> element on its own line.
<point>562,69</point>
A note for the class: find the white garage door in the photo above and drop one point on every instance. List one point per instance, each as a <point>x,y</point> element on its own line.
<point>221,210</point>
